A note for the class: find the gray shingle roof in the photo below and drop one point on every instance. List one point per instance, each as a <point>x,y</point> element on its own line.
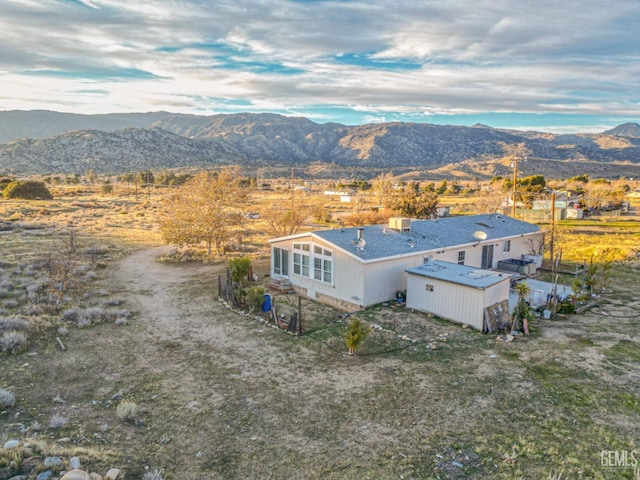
<point>460,274</point>
<point>425,235</point>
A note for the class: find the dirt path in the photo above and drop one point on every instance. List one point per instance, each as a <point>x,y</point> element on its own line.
<point>154,289</point>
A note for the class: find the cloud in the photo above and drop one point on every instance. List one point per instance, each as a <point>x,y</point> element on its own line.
<point>392,60</point>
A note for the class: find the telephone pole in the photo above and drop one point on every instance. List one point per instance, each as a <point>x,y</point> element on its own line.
<point>515,183</point>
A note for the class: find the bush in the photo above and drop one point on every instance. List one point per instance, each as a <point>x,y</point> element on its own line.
<point>155,474</point>
<point>6,399</point>
<point>27,190</point>
<point>58,421</point>
<point>18,324</point>
<point>239,268</point>
<point>255,297</point>
<point>127,411</point>
<point>12,341</point>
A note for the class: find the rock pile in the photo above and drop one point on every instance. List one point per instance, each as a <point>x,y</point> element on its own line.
<point>52,468</point>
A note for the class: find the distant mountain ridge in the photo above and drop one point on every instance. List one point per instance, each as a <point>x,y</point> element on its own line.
<point>125,142</point>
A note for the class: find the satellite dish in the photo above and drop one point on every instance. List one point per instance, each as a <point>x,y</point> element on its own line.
<point>480,235</point>
<point>359,243</point>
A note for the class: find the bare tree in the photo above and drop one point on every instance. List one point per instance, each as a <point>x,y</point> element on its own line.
<point>207,209</point>
<point>282,221</point>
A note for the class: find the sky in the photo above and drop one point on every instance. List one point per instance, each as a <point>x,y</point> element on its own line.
<point>559,66</point>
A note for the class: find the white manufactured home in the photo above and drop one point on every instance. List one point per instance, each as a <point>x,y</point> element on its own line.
<point>353,268</point>
<point>458,293</point>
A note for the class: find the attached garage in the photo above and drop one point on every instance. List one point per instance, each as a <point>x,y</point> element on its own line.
<point>459,293</point>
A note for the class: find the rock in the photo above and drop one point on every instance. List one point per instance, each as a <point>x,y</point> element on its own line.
<point>5,472</point>
<point>95,476</point>
<point>64,440</point>
<point>9,444</point>
<point>19,477</point>
<point>53,462</point>
<point>76,474</point>
<point>74,463</point>
<point>113,474</point>
<point>45,475</point>
<point>29,464</point>
<point>457,464</point>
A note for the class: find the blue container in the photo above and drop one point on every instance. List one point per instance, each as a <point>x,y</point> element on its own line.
<point>266,303</point>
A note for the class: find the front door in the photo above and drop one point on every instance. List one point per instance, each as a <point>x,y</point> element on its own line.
<point>487,257</point>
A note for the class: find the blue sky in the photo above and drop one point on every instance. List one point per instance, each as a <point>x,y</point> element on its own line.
<point>559,66</point>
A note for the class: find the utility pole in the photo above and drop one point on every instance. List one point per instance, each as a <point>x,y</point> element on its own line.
<point>292,189</point>
<point>553,223</point>
<point>514,189</point>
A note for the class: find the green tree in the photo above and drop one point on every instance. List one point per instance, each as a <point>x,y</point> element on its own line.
<point>207,209</point>
<point>411,201</point>
<point>355,335</point>
<point>26,190</point>
<point>239,268</point>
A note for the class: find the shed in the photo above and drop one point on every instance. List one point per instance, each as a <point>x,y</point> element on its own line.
<point>456,292</point>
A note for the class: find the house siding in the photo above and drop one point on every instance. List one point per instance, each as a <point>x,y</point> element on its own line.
<point>457,303</point>
<point>373,274</point>
<point>346,291</point>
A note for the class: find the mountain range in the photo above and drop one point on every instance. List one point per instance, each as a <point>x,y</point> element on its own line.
<point>44,142</point>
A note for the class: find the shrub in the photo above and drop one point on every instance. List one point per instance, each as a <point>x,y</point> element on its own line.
<point>27,190</point>
<point>239,268</point>
<point>70,315</point>
<point>127,411</point>
<point>155,474</point>
<point>6,399</point>
<point>58,421</point>
<point>355,335</point>
<point>255,297</point>
<point>11,304</point>
<point>13,324</point>
<point>12,341</point>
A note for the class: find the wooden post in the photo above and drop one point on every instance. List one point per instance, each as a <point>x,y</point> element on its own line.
<point>299,315</point>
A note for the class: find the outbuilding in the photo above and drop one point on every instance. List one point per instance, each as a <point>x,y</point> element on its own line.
<point>459,293</point>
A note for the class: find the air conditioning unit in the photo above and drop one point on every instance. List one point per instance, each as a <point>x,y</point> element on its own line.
<point>400,224</point>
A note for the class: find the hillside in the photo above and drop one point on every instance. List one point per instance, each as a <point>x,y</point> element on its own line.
<point>16,124</point>
<point>168,141</point>
<point>112,152</point>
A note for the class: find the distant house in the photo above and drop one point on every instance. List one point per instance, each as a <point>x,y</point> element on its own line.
<point>352,268</point>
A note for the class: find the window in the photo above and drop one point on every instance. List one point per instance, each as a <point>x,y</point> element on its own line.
<point>280,262</point>
<point>462,254</point>
<point>301,259</point>
<point>322,264</point>
<point>429,288</point>
<point>321,259</point>
<point>506,246</point>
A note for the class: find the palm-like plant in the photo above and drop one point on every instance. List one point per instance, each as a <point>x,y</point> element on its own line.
<point>522,312</point>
